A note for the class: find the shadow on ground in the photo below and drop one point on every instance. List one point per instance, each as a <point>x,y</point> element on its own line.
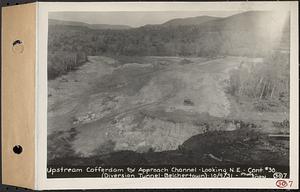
<point>239,147</point>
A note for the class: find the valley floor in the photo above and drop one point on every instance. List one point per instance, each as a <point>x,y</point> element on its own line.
<point>169,107</point>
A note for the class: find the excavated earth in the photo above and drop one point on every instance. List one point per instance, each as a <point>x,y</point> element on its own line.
<point>158,110</point>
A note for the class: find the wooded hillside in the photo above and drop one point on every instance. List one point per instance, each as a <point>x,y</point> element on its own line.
<point>246,34</point>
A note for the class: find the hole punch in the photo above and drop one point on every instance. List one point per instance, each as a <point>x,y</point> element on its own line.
<point>17,42</point>
<point>18,46</point>
<point>18,149</point>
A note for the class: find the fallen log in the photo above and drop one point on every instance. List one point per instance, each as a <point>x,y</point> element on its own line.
<point>279,136</point>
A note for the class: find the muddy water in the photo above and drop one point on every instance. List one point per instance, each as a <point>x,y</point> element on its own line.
<point>108,104</point>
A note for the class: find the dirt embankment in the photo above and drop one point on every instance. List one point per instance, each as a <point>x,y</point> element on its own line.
<point>239,147</point>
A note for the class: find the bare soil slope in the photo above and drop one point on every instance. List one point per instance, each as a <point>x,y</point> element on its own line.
<point>154,104</point>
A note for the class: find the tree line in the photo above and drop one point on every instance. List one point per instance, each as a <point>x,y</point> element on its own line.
<point>69,46</point>
<point>268,80</point>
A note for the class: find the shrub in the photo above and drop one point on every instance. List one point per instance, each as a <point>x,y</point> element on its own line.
<point>60,63</point>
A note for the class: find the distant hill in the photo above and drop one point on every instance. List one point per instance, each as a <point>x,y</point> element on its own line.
<point>189,21</point>
<point>242,21</point>
<point>253,33</point>
<point>91,26</point>
<point>250,33</point>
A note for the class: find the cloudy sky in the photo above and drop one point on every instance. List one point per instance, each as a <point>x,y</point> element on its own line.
<point>133,19</point>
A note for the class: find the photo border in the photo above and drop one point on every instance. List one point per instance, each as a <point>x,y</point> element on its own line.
<point>43,8</point>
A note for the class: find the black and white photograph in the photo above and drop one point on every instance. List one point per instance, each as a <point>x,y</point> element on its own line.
<point>169,91</point>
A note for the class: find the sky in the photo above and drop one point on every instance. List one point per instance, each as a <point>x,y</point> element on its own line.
<point>133,19</point>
